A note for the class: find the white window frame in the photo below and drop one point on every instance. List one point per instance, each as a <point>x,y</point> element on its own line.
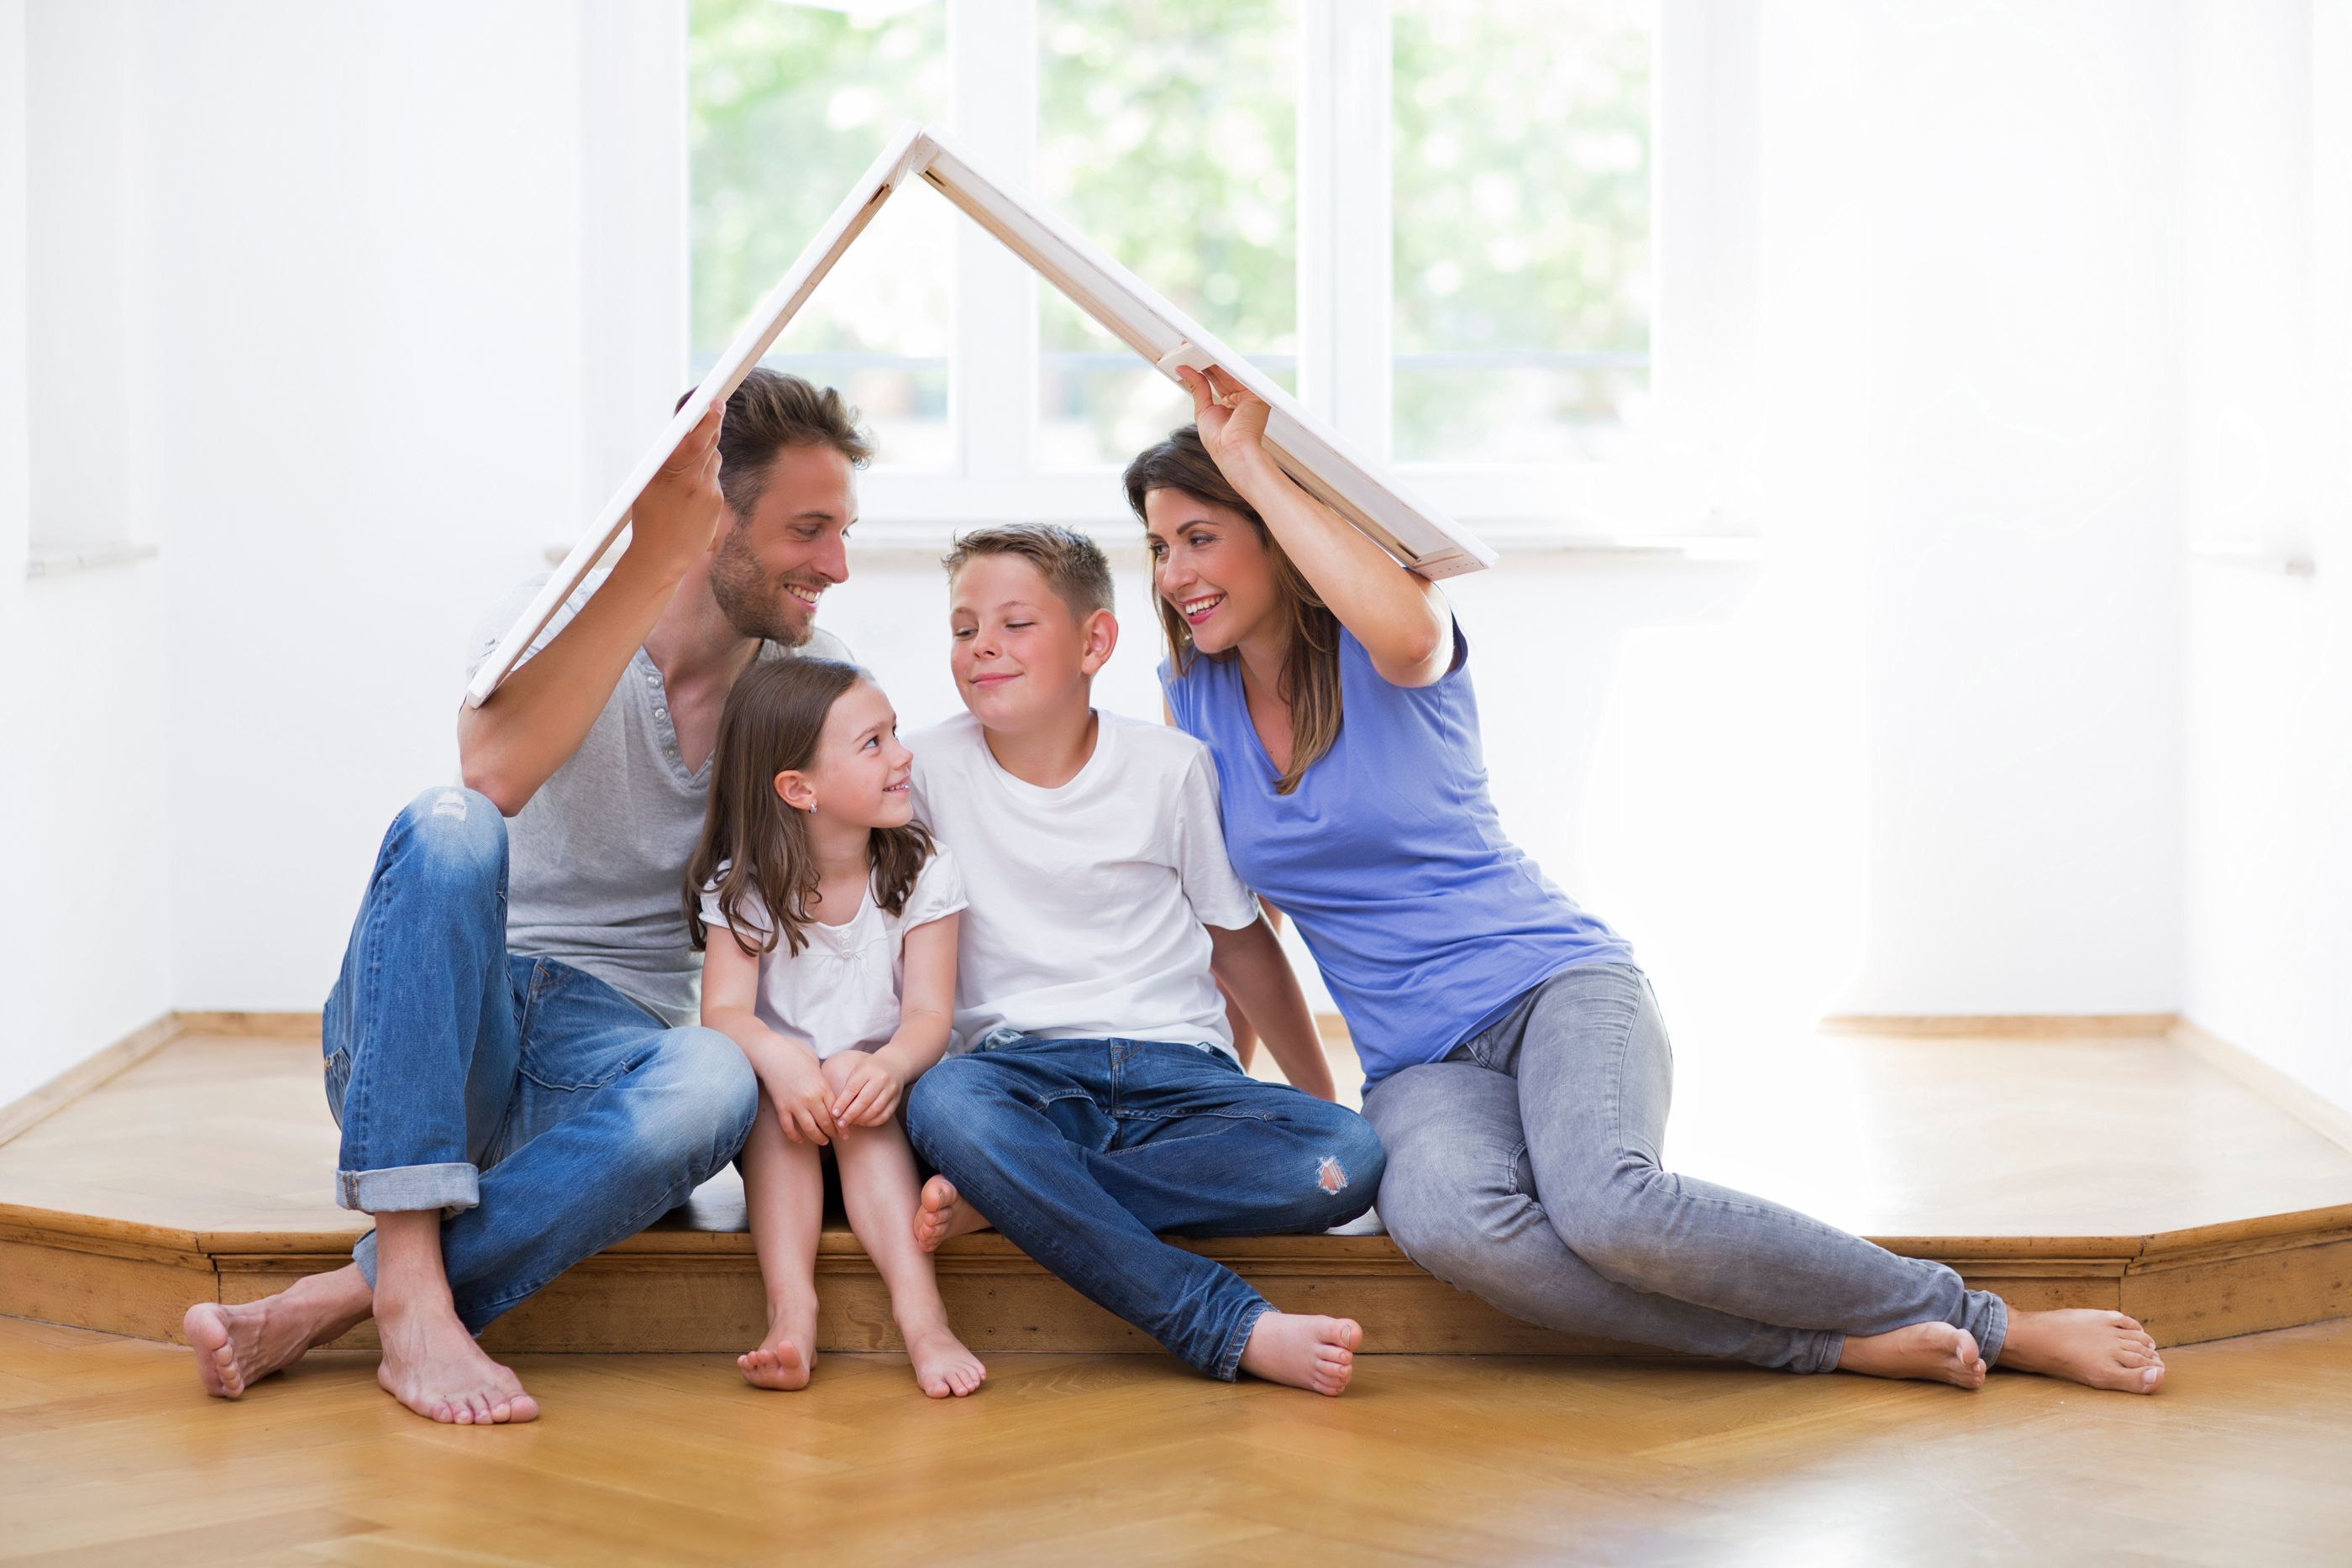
<point>1672,486</point>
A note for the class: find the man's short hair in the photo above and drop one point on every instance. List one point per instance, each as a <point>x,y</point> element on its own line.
<point>769,412</point>
<point>1073,565</point>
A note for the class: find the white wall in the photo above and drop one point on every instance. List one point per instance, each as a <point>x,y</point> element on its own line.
<point>2023,592</point>
<point>364,365</point>
<point>86,938</point>
<point>2269,399</point>
<point>390,331</point>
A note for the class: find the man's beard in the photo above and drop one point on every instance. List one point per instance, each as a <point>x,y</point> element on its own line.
<point>748,598</point>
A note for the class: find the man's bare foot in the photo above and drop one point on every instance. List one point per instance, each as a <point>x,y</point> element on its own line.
<point>944,1368</point>
<point>788,1355</point>
<point>2088,1345</point>
<point>432,1365</point>
<point>1935,1352</point>
<point>239,1346</point>
<point>942,1214</point>
<point>1312,1352</point>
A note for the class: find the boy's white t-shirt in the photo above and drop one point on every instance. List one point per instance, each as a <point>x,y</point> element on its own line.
<point>841,991</point>
<point>1087,902</point>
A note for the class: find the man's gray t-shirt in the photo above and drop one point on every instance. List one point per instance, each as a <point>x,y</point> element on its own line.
<point>596,858</point>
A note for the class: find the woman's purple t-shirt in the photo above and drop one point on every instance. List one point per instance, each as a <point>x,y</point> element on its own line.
<point>1426,920</point>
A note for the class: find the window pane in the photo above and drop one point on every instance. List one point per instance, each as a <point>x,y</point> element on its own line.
<point>789,105</point>
<point>1522,209</point>
<point>1166,134</point>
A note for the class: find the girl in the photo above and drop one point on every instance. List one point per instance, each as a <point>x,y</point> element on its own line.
<point>827,920</point>
<point>1517,1067</point>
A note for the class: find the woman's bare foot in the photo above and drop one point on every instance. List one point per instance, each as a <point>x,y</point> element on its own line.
<point>432,1365</point>
<point>1935,1352</point>
<point>943,1367</point>
<point>2088,1345</point>
<point>1311,1353</point>
<point>942,1214</point>
<point>239,1346</point>
<point>787,1357</point>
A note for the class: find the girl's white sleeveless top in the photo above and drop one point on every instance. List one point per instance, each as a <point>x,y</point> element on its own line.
<point>841,991</point>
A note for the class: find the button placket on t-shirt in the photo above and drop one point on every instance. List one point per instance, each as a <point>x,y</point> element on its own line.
<point>657,710</point>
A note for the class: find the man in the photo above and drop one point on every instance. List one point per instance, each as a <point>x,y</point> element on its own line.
<point>508,1048</point>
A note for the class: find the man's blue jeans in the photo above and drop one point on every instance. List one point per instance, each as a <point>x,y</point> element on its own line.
<point>543,1112</point>
<point>1083,1150</point>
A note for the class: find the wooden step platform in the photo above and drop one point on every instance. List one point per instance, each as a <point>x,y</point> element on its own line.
<point>2124,1172</point>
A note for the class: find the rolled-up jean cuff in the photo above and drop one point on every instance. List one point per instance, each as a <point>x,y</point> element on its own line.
<point>452,1188</point>
<point>1995,1337</point>
<point>1229,1365</point>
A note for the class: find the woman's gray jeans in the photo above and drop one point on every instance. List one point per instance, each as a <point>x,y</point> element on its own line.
<point>1524,1167</point>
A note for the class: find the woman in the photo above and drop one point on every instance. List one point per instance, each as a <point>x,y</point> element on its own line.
<point>1517,1067</point>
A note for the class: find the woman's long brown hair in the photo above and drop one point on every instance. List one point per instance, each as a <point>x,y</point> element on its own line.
<point>1309,682</point>
<point>773,718</point>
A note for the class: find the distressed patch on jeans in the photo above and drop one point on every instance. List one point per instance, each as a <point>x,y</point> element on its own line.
<point>452,803</point>
<point>1330,1175</point>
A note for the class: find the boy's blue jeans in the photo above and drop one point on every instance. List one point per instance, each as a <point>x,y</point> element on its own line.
<point>1083,1150</point>
<point>543,1112</point>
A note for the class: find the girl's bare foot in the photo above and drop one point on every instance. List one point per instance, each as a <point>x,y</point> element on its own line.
<point>788,1355</point>
<point>1936,1352</point>
<point>2088,1345</point>
<point>942,1213</point>
<point>943,1367</point>
<point>432,1365</point>
<point>239,1346</point>
<point>1311,1353</point>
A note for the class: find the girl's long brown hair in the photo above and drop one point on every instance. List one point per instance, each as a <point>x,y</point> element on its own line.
<point>772,721</point>
<point>1309,682</point>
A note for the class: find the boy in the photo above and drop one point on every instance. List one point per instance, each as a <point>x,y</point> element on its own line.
<point>1097,1100</point>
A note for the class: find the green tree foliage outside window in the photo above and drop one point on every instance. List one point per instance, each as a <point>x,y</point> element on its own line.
<point>1520,169</point>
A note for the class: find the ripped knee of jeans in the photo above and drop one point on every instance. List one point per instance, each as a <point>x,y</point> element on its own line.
<point>1330,1174</point>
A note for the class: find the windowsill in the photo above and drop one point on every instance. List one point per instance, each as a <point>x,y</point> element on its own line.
<point>94,558</point>
<point>922,544</point>
<point>1122,539</point>
<point>1507,542</point>
<point>2270,561</point>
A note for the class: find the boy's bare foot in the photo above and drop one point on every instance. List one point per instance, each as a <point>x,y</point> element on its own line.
<point>943,1367</point>
<point>2088,1345</point>
<point>239,1346</point>
<point>942,1214</point>
<point>1936,1352</point>
<point>1312,1352</point>
<point>432,1365</point>
<point>788,1355</point>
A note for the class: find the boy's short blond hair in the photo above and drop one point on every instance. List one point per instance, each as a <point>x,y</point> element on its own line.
<point>1073,565</point>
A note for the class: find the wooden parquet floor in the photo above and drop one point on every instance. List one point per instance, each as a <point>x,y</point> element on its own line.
<point>108,1454</point>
